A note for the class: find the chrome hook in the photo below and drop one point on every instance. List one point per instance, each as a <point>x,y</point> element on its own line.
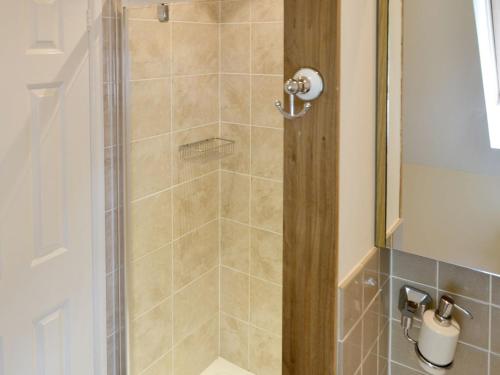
<point>307,84</point>
<point>292,115</point>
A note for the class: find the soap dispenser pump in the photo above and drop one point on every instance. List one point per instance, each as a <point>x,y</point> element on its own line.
<point>438,337</point>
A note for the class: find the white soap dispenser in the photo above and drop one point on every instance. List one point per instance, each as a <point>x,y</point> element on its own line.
<point>438,337</point>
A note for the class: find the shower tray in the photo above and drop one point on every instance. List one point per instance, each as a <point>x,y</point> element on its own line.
<point>222,367</point>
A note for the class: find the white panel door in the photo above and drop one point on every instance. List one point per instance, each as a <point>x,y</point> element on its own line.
<point>46,325</point>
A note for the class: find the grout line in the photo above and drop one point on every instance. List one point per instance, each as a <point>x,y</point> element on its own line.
<point>274,283</point>
<point>122,91</point>
<point>157,360</point>
<point>174,293</point>
<point>253,176</point>
<point>254,125</point>
<point>219,206</point>
<point>151,308</point>
<point>414,282</point>
<point>408,367</point>
<point>149,252</point>
<point>173,186</point>
<point>251,325</point>
<point>252,74</point>
<point>391,301</point>
<point>190,333</point>
<point>173,76</point>
<point>250,56</point>
<point>174,132</point>
<point>194,127</point>
<point>252,23</point>
<point>155,20</point>
<point>251,226</point>
<point>151,79</point>
<point>346,336</point>
<point>195,280</point>
<point>251,119</point>
<point>192,231</point>
<point>172,217</point>
<point>365,358</point>
<point>149,138</point>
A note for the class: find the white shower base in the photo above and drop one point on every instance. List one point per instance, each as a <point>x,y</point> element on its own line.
<point>222,367</point>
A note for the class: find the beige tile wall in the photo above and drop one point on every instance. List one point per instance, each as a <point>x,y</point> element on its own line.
<point>479,347</point>
<point>205,238</point>
<point>173,224</point>
<point>364,310</point>
<point>251,65</point>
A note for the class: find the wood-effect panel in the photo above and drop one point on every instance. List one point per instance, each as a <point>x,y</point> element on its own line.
<point>311,194</point>
<point>381,136</point>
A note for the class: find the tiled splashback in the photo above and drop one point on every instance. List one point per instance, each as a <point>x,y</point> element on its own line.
<point>369,295</point>
<point>364,310</point>
<point>478,351</point>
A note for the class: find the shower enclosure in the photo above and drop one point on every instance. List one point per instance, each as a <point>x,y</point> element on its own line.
<point>195,170</point>
<point>202,178</point>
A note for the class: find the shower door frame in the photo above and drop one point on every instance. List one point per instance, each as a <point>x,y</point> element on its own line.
<point>312,39</point>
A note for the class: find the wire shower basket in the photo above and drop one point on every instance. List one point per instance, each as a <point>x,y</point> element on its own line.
<point>207,149</point>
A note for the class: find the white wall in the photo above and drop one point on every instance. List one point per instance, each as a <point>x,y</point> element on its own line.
<point>357,132</point>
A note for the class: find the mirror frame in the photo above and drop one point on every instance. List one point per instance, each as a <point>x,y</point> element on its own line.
<point>382,231</point>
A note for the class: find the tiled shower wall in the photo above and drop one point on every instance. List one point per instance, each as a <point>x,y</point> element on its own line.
<point>172,253</point>
<point>204,239</point>
<point>171,205</point>
<point>364,312</point>
<point>251,66</point>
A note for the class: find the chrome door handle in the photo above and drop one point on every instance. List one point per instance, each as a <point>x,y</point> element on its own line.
<point>306,84</point>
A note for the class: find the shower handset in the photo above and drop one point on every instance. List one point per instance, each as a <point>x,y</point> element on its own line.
<point>307,84</point>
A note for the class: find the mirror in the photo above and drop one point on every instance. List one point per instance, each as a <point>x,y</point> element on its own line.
<point>438,173</point>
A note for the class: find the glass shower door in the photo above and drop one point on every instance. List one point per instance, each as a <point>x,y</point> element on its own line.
<point>204,187</point>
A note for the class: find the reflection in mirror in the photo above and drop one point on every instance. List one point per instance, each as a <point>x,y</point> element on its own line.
<point>487,14</point>
<point>450,179</point>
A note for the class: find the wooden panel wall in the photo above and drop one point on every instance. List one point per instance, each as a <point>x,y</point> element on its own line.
<point>311,194</point>
<point>381,147</point>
